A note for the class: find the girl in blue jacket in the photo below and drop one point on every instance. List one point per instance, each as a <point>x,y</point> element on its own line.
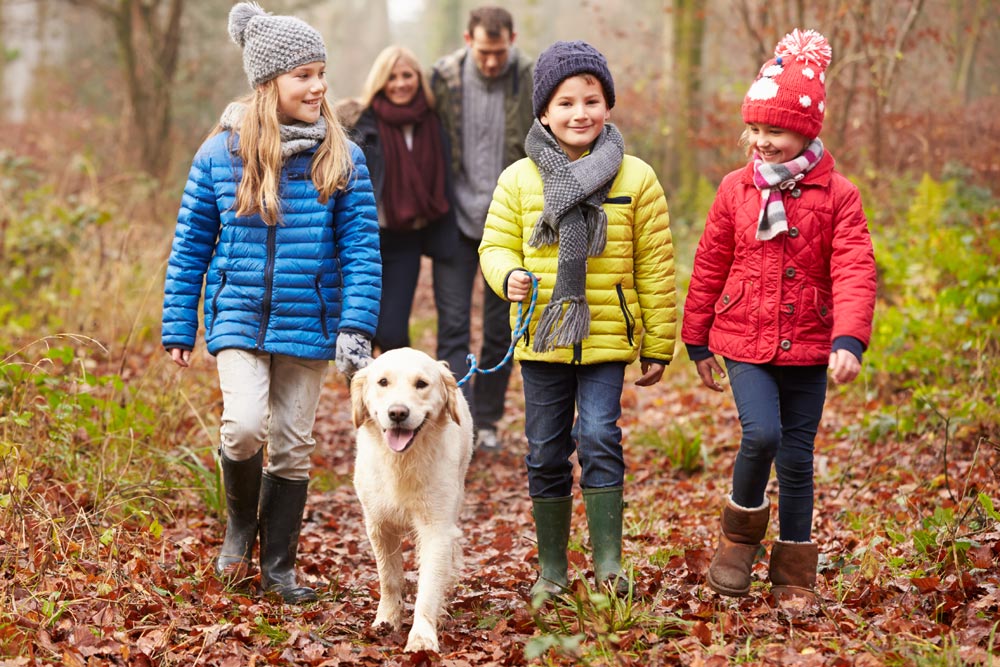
<point>278,222</point>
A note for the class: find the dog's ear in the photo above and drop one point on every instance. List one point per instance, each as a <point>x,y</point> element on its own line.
<point>451,390</point>
<point>359,410</point>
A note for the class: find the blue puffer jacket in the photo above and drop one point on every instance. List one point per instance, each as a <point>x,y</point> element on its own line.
<point>286,289</point>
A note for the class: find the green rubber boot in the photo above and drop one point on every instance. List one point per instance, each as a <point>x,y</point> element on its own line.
<point>604,519</point>
<point>552,518</point>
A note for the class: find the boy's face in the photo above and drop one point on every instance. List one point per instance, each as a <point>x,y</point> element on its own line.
<point>489,53</point>
<point>300,93</point>
<point>576,114</point>
<point>775,144</point>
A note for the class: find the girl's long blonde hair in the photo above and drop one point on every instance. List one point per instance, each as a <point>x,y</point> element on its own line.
<point>378,75</point>
<point>260,151</point>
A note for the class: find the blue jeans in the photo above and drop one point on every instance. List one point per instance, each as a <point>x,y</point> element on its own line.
<point>454,278</point>
<point>552,393</point>
<point>780,408</point>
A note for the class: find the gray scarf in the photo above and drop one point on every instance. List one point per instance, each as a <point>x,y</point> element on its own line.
<point>573,217</point>
<point>295,138</point>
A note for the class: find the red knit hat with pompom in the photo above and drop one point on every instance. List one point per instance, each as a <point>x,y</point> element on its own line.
<point>789,91</point>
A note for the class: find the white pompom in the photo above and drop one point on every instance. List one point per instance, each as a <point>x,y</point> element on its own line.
<point>239,18</point>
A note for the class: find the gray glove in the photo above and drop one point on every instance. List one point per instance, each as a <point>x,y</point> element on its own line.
<point>354,352</point>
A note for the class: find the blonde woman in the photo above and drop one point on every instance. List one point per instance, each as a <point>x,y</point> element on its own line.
<point>278,221</point>
<point>404,146</point>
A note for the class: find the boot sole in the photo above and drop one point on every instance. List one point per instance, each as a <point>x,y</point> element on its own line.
<point>723,590</point>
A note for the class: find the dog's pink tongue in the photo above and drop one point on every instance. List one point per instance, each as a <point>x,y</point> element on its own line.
<point>398,438</point>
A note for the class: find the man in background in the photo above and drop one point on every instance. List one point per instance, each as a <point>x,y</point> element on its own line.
<point>483,94</point>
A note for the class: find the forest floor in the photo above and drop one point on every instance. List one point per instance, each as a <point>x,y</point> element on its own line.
<point>909,553</point>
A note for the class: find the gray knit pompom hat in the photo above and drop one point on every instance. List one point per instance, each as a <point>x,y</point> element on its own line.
<point>272,45</point>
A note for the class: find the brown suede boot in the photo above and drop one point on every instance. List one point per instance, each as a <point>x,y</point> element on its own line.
<point>742,530</point>
<point>793,570</point>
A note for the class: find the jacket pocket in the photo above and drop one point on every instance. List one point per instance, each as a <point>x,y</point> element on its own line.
<point>626,314</point>
<point>622,199</point>
<point>815,320</point>
<point>731,308</point>
<point>322,305</point>
<point>215,301</point>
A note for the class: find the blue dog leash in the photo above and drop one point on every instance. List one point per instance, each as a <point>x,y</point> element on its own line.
<point>520,328</point>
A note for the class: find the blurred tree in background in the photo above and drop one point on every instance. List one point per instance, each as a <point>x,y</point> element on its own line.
<point>140,82</point>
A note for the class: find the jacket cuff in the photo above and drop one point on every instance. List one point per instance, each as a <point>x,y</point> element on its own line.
<point>353,330</point>
<point>849,343</point>
<point>698,352</point>
<point>654,360</point>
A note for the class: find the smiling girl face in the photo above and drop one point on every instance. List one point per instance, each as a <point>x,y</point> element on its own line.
<point>301,91</point>
<point>775,144</point>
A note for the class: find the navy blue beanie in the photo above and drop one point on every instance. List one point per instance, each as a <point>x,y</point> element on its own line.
<point>563,60</point>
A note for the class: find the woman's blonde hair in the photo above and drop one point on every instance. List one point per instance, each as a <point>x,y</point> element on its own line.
<point>378,75</point>
<point>260,150</point>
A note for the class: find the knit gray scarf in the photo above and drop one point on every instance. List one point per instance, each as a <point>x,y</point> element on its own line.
<point>573,217</point>
<point>295,138</point>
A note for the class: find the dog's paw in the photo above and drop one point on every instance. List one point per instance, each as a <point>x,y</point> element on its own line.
<point>389,616</point>
<point>421,642</point>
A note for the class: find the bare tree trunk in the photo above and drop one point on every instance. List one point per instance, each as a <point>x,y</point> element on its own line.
<point>883,61</point>
<point>967,35</point>
<point>148,38</point>
<point>688,35</point>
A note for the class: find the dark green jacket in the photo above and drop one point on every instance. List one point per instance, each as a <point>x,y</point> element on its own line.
<point>446,83</point>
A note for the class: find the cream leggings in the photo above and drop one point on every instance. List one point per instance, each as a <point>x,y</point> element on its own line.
<point>270,399</point>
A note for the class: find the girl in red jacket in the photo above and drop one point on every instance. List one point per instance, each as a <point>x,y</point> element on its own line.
<point>783,288</point>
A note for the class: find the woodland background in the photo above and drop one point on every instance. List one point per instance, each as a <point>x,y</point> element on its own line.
<point>110,499</point>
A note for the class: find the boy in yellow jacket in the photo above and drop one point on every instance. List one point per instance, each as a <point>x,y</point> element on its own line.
<point>590,223</point>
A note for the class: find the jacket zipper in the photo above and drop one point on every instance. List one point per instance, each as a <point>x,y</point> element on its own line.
<point>215,301</point>
<point>322,307</point>
<point>629,321</point>
<point>272,239</point>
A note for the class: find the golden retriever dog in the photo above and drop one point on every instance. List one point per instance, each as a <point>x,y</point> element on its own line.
<point>414,445</point>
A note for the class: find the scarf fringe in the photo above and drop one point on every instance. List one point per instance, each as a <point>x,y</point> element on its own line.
<point>564,323</point>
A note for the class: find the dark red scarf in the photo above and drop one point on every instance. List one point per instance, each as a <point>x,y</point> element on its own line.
<point>414,180</point>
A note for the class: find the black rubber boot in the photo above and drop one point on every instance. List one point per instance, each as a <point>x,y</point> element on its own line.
<point>605,508</point>
<point>282,504</point>
<point>552,519</point>
<point>241,480</point>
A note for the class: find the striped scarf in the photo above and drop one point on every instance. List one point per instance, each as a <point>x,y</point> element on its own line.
<point>771,179</point>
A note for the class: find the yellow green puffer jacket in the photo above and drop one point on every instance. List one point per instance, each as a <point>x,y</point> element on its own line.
<point>630,286</point>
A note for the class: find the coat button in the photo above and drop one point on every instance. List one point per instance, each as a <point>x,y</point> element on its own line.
<point>793,232</point>
<point>790,272</point>
<point>786,345</point>
<point>725,298</point>
<point>790,307</point>
<point>796,193</point>
<point>823,311</point>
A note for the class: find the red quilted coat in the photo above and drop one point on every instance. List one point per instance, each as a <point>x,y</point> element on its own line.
<point>782,301</point>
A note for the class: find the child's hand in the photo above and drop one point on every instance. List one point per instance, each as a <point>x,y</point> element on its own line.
<point>651,373</point>
<point>707,369</point>
<point>518,285</point>
<point>180,357</point>
<point>844,366</point>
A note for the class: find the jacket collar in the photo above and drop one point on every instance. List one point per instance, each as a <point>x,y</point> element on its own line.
<point>819,175</point>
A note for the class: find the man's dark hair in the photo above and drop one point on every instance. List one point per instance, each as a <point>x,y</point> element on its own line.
<point>493,19</point>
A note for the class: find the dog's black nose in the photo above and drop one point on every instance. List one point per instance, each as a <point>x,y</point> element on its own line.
<point>398,413</point>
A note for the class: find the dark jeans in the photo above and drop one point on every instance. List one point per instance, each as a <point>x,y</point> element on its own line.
<point>780,408</point>
<point>453,282</point>
<point>552,392</point>
<point>401,252</point>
